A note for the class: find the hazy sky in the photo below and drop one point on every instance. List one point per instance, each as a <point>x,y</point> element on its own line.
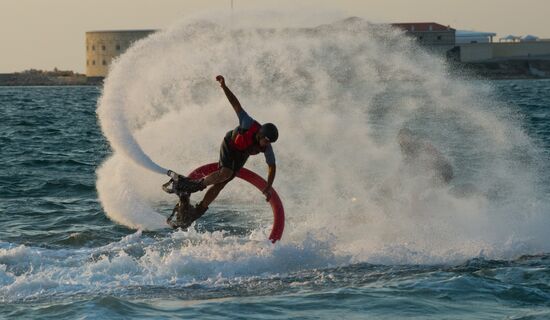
<point>44,34</point>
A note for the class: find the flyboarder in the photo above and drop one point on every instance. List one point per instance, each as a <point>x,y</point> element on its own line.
<point>248,138</point>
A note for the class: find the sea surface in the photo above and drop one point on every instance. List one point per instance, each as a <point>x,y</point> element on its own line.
<point>61,257</point>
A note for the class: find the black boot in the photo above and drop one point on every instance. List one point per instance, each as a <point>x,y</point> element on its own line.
<point>188,215</point>
<point>181,184</point>
<point>185,184</point>
<point>199,210</point>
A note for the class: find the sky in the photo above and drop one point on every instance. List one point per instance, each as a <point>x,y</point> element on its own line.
<point>44,34</point>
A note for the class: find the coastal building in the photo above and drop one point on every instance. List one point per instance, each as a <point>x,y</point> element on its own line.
<point>508,48</point>
<point>104,46</point>
<point>464,36</point>
<point>434,36</point>
<point>528,50</point>
<point>510,38</point>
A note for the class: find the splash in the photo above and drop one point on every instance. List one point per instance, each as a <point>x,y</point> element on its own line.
<point>340,93</point>
<point>136,262</point>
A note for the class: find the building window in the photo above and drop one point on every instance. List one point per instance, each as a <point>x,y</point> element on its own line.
<point>118,47</point>
<point>93,48</point>
<point>439,38</point>
<point>421,38</point>
<point>103,48</point>
<point>104,62</point>
<point>93,62</point>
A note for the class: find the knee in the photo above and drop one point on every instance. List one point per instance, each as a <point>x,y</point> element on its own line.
<point>225,174</point>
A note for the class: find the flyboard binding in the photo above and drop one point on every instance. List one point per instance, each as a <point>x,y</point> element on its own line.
<point>183,214</point>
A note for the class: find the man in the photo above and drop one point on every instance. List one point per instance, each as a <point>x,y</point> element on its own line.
<point>249,138</point>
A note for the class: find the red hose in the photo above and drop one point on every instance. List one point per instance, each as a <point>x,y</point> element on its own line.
<point>258,182</point>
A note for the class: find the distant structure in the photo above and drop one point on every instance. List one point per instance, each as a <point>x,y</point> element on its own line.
<point>437,37</point>
<point>473,46</point>
<point>465,36</point>
<point>482,48</point>
<point>103,46</point>
<point>530,37</point>
<point>510,38</point>
<point>461,46</point>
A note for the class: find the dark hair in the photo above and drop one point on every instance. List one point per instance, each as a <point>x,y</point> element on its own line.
<point>269,130</point>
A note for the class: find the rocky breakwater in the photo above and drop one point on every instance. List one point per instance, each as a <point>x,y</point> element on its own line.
<point>521,68</point>
<point>42,78</point>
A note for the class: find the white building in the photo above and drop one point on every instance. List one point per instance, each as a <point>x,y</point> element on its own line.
<point>465,36</point>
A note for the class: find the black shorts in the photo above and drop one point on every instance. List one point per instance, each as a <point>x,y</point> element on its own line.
<point>231,158</point>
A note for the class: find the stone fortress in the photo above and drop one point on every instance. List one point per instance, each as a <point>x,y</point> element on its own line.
<point>104,46</point>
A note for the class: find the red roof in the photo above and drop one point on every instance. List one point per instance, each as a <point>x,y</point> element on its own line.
<point>422,26</point>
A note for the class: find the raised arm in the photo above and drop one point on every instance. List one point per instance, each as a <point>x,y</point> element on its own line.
<point>230,96</point>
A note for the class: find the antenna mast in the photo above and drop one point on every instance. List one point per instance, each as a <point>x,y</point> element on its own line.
<point>231,16</point>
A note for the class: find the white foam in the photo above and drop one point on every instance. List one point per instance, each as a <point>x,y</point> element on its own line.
<point>181,259</point>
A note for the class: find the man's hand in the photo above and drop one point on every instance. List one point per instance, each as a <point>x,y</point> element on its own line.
<point>267,193</point>
<point>221,80</point>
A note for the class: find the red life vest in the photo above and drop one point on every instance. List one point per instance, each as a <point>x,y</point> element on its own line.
<point>244,139</point>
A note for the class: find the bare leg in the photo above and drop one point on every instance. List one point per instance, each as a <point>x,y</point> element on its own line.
<point>218,180</point>
<point>212,194</point>
<point>219,176</point>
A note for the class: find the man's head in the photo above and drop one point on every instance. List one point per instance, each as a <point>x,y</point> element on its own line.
<point>268,134</point>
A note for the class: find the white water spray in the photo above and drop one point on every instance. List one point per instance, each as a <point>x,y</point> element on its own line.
<point>339,93</point>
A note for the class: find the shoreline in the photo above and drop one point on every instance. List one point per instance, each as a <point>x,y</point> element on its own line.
<point>512,69</point>
<point>47,78</point>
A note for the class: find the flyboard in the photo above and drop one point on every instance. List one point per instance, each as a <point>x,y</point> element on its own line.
<point>183,213</point>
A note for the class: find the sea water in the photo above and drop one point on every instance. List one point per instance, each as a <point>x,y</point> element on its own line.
<point>367,235</point>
